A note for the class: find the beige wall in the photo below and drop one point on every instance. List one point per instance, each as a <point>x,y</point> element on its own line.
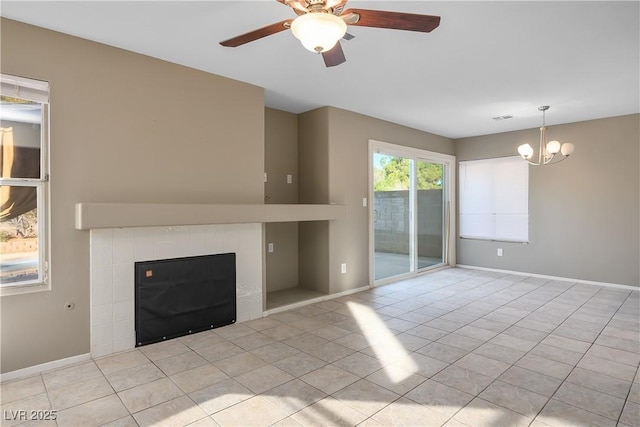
<point>343,137</point>
<point>280,160</point>
<point>349,135</point>
<point>583,213</point>
<point>280,156</point>
<point>313,167</point>
<point>313,156</point>
<point>124,128</point>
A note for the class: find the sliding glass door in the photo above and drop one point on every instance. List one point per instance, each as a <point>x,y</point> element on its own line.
<point>392,215</point>
<point>430,208</point>
<point>409,210</point>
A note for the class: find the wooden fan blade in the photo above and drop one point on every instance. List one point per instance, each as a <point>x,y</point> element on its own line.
<point>334,57</point>
<point>394,20</point>
<point>257,34</point>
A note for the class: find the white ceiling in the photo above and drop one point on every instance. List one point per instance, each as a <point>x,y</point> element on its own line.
<point>487,58</point>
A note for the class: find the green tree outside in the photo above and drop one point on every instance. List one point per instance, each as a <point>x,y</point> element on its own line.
<point>392,174</point>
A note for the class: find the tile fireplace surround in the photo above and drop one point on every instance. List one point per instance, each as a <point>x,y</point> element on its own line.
<point>113,252</point>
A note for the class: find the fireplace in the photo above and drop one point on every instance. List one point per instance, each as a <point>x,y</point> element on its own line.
<point>181,296</point>
<point>114,252</point>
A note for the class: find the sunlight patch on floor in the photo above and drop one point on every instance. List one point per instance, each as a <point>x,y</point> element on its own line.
<point>383,342</point>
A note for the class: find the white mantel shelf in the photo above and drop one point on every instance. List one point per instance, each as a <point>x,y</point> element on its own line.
<point>121,215</point>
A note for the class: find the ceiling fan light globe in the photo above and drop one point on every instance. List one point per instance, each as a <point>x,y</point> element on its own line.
<point>318,32</point>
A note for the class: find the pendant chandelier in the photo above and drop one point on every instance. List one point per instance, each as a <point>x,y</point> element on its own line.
<point>547,151</point>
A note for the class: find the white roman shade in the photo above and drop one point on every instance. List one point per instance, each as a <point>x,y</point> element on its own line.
<point>494,199</point>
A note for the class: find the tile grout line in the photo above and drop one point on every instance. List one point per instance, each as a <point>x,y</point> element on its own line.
<point>477,396</point>
<point>442,297</point>
<point>528,352</point>
<point>582,357</point>
<point>470,351</point>
<point>626,399</point>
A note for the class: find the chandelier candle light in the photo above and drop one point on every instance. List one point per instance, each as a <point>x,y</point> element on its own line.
<point>548,150</point>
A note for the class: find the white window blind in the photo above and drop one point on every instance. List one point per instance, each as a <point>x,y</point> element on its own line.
<point>494,199</point>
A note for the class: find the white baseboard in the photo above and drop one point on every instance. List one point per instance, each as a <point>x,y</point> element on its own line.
<point>314,300</point>
<point>33,370</point>
<point>544,276</point>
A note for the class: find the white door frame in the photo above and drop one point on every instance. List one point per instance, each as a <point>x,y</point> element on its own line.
<point>449,162</point>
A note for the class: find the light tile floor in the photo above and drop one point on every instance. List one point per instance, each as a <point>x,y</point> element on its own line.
<point>454,347</point>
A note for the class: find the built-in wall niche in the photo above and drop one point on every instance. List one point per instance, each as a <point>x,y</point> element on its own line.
<point>296,268</point>
<point>281,256</point>
<point>296,259</point>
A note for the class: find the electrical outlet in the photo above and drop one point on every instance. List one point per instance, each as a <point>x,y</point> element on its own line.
<point>270,247</point>
<point>499,251</point>
<point>364,202</point>
<point>289,179</point>
<point>343,268</point>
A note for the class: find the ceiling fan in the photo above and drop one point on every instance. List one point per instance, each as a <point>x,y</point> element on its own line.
<point>321,24</point>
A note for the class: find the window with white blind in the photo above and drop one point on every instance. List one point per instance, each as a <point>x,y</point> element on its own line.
<point>24,131</point>
<point>494,199</point>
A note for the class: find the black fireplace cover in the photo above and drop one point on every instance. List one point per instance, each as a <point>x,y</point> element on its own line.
<point>176,297</point>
